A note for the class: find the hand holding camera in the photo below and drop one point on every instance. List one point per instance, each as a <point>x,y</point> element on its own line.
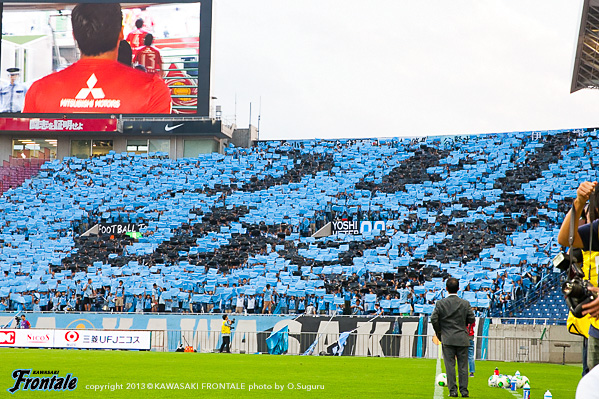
<point>592,308</point>
<point>581,295</point>
<point>584,191</point>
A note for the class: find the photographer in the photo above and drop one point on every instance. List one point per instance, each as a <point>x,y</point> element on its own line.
<point>226,334</point>
<point>22,322</point>
<point>581,240</point>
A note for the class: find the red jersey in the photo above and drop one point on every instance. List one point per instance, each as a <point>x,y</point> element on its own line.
<point>470,329</point>
<point>149,57</point>
<point>99,86</point>
<point>136,37</point>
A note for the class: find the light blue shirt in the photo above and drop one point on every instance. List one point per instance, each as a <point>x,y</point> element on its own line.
<point>12,97</point>
<point>267,295</point>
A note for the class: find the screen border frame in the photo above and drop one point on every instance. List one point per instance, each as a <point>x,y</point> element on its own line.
<point>204,62</point>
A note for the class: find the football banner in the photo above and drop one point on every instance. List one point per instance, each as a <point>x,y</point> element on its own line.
<point>119,229</point>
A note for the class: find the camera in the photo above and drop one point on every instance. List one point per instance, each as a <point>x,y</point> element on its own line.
<point>575,288</point>
<point>577,294</point>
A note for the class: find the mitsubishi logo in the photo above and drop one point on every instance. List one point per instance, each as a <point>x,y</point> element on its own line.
<point>96,93</point>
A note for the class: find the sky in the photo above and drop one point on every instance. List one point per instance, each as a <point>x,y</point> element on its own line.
<point>388,68</point>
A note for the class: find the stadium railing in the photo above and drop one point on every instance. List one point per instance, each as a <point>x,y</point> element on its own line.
<point>547,283</point>
<point>492,348</point>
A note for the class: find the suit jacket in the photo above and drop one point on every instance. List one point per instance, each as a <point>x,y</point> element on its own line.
<point>450,318</point>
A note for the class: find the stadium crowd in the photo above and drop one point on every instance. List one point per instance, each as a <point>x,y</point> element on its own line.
<point>238,236</point>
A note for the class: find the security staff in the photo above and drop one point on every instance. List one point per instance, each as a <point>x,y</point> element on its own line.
<point>12,95</point>
<point>226,334</point>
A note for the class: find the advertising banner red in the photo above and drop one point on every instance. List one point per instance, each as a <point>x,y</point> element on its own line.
<point>58,125</point>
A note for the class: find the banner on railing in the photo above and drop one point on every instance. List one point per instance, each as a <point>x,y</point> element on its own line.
<point>27,338</point>
<point>77,339</point>
<point>58,125</point>
<point>370,336</point>
<point>95,339</point>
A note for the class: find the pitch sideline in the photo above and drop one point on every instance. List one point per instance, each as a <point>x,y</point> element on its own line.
<point>516,394</point>
<point>438,389</point>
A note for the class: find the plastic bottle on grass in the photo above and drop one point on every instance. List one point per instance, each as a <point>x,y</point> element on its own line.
<point>496,371</point>
<point>513,382</point>
<point>547,395</point>
<point>526,391</point>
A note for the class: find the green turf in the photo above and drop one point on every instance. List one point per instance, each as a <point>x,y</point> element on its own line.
<point>560,380</point>
<point>342,377</point>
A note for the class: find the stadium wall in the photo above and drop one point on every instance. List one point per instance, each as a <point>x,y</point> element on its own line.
<point>380,336</point>
<point>245,137</point>
<point>522,342</point>
<point>5,148</point>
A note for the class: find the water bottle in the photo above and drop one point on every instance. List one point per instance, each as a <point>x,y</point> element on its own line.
<point>526,391</point>
<point>496,371</point>
<point>513,383</point>
<point>547,395</point>
<point>517,374</point>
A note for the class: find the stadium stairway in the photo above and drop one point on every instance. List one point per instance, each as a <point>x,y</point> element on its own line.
<point>16,170</point>
<point>545,302</point>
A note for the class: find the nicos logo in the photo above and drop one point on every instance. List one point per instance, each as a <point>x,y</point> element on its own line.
<point>38,339</point>
<point>7,337</point>
<point>71,336</point>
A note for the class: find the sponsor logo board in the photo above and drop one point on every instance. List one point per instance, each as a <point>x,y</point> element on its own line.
<point>27,338</point>
<point>81,339</point>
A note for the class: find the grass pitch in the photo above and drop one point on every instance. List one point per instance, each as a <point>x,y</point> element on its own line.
<point>122,374</point>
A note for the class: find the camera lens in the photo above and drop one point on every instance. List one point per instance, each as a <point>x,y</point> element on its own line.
<point>575,290</point>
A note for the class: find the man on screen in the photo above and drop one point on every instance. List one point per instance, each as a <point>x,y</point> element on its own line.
<point>136,37</point>
<point>98,82</point>
<point>12,94</point>
<point>149,57</point>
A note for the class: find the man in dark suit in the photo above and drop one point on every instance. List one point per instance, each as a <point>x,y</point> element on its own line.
<point>449,319</point>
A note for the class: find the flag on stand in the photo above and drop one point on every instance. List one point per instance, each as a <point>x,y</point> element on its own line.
<point>278,342</point>
<point>310,350</point>
<point>337,348</point>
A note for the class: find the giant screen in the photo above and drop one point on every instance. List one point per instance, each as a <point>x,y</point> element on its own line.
<point>54,58</point>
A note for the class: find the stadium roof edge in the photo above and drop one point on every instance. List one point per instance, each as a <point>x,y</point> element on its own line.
<point>585,71</point>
